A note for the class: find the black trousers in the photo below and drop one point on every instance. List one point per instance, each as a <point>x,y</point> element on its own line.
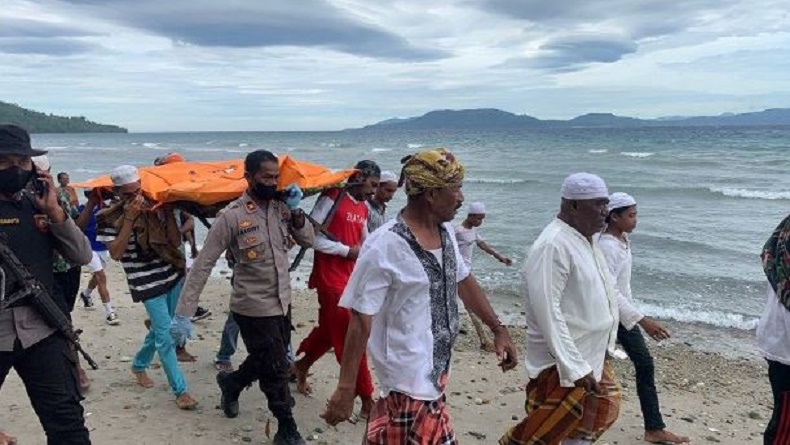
<point>633,342</point>
<point>778,430</point>
<point>67,286</point>
<point>48,372</point>
<point>266,339</point>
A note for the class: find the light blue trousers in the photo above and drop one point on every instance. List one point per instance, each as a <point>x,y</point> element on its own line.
<point>160,311</point>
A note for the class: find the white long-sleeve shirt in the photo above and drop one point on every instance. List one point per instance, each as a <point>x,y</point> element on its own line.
<point>323,244</point>
<point>773,332</point>
<point>572,310</point>
<point>619,259</point>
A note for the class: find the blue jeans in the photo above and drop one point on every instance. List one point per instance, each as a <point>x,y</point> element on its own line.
<point>230,339</point>
<point>160,311</point>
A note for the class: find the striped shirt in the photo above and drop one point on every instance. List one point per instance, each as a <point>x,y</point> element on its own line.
<point>147,278</point>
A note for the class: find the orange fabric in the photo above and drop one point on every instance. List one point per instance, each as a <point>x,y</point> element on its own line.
<point>208,183</point>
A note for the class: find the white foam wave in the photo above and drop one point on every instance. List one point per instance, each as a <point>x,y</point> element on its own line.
<point>414,146</point>
<point>88,170</point>
<point>598,151</point>
<point>151,144</point>
<point>244,145</point>
<point>714,318</point>
<point>380,150</point>
<point>637,154</point>
<point>497,181</point>
<point>752,194</point>
<point>55,148</point>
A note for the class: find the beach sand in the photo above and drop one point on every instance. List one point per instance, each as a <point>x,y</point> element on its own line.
<point>708,396</point>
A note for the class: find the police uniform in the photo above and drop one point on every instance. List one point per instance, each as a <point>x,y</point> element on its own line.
<point>258,237</point>
<point>41,357</point>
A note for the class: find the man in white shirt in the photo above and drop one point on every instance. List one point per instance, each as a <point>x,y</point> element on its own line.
<point>572,319</point>
<point>773,332</point>
<point>403,294</point>
<point>468,235</point>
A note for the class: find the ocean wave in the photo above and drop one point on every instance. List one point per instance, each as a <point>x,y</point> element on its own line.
<point>497,181</point>
<point>56,148</point>
<point>598,151</point>
<point>637,154</point>
<point>380,150</point>
<point>87,170</point>
<point>154,145</point>
<point>752,194</point>
<point>414,146</point>
<point>243,144</point>
<point>714,318</point>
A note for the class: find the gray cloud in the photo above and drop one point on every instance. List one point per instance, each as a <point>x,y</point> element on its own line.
<point>573,53</point>
<point>21,28</point>
<point>243,24</point>
<point>643,18</point>
<point>41,46</point>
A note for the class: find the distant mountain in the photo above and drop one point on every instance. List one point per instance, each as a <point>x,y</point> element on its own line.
<point>37,122</point>
<point>490,118</point>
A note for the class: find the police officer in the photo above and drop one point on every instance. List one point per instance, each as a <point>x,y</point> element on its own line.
<point>36,226</point>
<point>256,229</point>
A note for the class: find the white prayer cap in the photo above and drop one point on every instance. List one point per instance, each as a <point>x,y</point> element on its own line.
<point>123,175</point>
<point>41,163</point>
<point>583,186</point>
<point>388,176</point>
<point>620,200</point>
<point>477,208</point>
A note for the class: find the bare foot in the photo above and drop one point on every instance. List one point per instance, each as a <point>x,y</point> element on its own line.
<point>186,402</point>
<point>367,407</point>
<point>487,347</point>
<point>143,379</point>
<point>665,437</point>
<point>184,356</point>
<point>302,386</point>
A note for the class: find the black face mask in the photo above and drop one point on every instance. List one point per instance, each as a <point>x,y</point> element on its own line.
<point>265,192</point>
<point>14,179</point>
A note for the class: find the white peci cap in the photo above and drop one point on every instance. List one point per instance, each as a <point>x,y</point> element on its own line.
<point>124,174</point>
<point>477,208</point>
<point>584,186</point>
<point>619,200</point>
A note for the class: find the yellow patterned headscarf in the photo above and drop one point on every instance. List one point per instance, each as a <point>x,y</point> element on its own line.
<point>431,169</point>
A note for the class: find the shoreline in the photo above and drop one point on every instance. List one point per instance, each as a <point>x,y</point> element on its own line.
<point>706,395</point>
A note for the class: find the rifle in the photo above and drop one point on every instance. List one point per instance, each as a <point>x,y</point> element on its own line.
<point>31,291</point>
<point>320,227</point>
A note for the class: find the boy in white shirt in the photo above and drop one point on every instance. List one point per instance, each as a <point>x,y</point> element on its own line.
<point>616,248</point>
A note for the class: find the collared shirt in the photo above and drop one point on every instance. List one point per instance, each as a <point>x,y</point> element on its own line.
<point>773,331</point>
<point>377,216</point>
<point>467,241</point>
<point>24,323</point>
<point>258,239</point>
<point>619,259</point>
<point>571,306</point>
<point>413,298</point>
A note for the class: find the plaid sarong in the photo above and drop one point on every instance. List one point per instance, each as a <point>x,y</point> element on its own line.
<point>555,413</point>
<point>400,420</point>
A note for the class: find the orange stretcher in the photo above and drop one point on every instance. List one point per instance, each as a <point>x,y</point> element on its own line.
<point>202,188</point>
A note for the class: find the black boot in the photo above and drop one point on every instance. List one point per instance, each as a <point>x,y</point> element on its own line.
<point>230,394</point>
<point>287,433</point>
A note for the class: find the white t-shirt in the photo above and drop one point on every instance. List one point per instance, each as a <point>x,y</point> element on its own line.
<point>467,240</point>
<point>571,305</point>
<point>773,332</point>
<point>618,256</point>
<point>412,332</point>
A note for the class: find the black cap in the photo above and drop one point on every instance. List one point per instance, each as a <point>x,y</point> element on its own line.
<point>15,140</point>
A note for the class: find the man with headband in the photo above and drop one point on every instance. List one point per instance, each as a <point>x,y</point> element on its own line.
<point>343,213</point>
<point>403,296</point>
<point>572,319</point>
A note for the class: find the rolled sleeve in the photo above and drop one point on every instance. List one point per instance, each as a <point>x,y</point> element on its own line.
<point>370,282</point>
<point>71,242</point>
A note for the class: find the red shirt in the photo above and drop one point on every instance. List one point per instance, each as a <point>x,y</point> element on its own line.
<point>348,225</point>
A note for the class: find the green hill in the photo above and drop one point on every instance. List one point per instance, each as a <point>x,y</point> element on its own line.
<point>37,122</point>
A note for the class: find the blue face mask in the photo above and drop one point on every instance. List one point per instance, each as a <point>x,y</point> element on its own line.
<point>14,179</point>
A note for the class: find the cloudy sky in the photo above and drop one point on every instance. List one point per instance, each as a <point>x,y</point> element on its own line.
<point>180,65</point>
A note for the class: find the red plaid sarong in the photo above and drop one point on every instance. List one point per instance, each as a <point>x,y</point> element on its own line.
<point>555,413</point>
<point>400,420</point>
